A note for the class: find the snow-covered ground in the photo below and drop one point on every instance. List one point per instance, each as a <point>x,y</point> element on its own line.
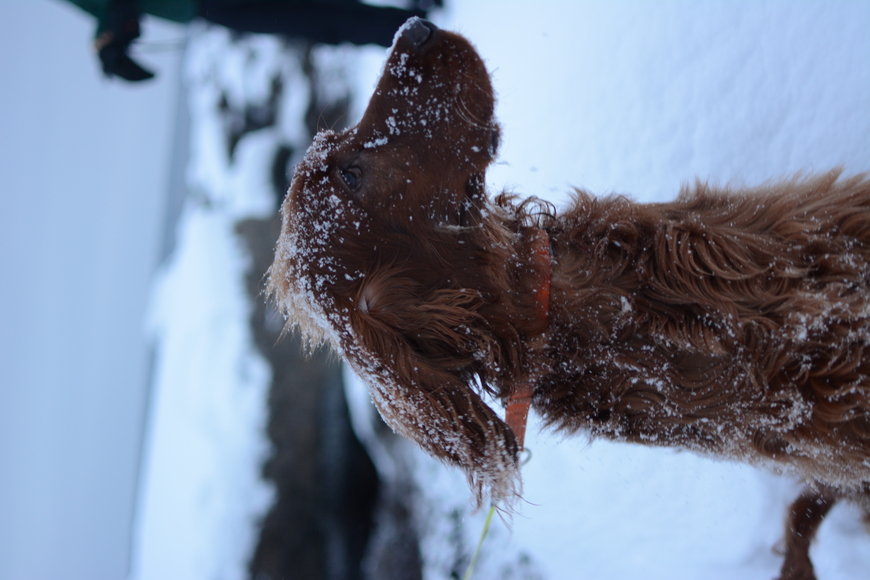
<point>627,97</point>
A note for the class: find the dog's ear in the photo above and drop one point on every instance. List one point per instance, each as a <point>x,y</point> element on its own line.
<point>411,353</point>
<point>450,422</point>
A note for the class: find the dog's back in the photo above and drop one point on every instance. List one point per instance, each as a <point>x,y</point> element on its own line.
<point>731,322</point>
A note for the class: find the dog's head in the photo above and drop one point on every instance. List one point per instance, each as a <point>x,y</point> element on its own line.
<point>371,225</point>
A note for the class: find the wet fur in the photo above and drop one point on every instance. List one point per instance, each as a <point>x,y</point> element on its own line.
<point>731,322</point>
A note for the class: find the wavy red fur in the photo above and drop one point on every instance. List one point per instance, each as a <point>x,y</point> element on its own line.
<point>731,322</point>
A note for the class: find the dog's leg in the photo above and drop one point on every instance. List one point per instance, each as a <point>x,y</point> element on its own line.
<point>805,516</point>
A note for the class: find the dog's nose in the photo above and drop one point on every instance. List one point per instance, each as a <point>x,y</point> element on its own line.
<point>417,31</point>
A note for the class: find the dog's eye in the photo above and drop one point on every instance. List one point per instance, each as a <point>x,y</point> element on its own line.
<point>352,177</point>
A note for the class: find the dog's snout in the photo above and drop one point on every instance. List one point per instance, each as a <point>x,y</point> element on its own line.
<point>417,31</point>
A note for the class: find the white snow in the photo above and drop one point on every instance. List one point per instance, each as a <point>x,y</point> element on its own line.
<point>629,97</point>
<point>380,142</point>
<point>200,493</point>
<point>201,490</point>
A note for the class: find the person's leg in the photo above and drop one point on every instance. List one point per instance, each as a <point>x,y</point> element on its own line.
<point>326,22</point>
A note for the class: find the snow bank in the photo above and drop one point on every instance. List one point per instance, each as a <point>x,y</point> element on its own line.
<point>201,493</point>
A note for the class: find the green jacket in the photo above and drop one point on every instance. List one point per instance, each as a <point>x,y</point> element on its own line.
<point>176,10</point>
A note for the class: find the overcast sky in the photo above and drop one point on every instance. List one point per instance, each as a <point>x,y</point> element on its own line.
<point>84,164</point>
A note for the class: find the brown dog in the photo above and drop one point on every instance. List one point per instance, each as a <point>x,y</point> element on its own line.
<point>732,323</point>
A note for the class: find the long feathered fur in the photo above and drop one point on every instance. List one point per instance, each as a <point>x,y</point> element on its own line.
<point>731,322</point>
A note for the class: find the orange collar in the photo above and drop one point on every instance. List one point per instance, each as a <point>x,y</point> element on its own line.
<point>520,400</point>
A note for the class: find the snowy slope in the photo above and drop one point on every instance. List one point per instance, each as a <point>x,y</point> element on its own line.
<point>200,491</point>
<point>628,97</point>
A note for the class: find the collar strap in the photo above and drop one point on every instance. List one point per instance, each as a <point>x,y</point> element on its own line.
<point>520,400</point>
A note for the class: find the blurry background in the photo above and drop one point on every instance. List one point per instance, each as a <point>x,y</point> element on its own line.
<point>84,174</point>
